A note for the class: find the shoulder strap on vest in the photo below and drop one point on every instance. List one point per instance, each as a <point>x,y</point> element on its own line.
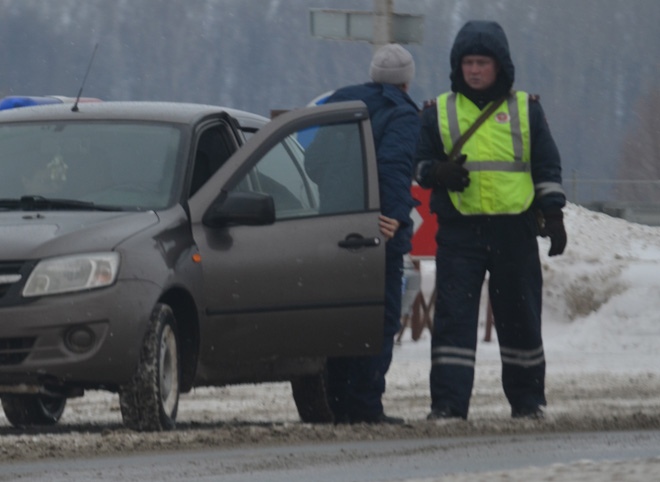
<point>480,120</point>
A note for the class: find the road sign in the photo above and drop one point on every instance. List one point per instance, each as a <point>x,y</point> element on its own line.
<point>408,29</point>
<point>356,25</point>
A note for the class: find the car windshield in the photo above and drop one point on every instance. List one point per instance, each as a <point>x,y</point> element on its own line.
<point>112,164</point>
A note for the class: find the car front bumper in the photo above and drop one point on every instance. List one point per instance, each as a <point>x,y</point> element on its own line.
<point>89,339</point>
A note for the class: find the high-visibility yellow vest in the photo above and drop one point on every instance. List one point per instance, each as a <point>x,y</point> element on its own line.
<point>498,154</point>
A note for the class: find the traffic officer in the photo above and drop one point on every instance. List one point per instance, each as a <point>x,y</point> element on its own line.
<point>487,189</point>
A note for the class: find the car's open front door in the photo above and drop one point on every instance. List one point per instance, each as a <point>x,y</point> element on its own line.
<point>312,282</point>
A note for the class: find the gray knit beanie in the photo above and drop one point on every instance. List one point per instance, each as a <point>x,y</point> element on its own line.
<point>392,64</point>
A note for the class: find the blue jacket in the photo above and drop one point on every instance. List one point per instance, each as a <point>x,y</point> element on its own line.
<point>396,125</point>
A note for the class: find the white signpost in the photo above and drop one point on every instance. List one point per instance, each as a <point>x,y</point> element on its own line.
<point>379,27</point>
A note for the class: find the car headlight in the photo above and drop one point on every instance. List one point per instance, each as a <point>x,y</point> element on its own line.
<point>72,273</point>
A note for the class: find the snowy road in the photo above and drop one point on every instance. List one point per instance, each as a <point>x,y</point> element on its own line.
<point>598,424</point>
<point>578,456</point>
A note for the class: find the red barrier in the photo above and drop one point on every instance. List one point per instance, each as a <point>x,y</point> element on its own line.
<point>420,315</point>
<point>426,225</point>
<point>424,247</point>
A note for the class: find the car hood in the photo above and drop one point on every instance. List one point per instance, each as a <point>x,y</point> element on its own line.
<point>33,235</point>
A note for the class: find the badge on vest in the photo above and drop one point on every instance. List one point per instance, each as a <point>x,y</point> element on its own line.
<point>502,118</point>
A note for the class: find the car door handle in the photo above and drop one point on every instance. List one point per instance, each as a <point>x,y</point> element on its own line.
<point>354,241</point>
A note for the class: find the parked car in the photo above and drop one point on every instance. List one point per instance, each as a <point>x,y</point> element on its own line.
<point>148,248</point>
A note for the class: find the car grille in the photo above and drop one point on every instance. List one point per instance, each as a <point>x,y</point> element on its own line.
<point>12,278</point>
<point>14,350</point>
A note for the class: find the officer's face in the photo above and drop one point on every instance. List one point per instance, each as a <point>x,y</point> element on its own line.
<point>479,71</point>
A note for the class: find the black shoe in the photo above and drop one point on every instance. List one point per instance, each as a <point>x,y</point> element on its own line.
<point>444,413</point>
<point>379,419</point>
<point>533,413</point>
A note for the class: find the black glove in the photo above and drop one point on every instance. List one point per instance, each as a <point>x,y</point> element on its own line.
<point>452,174</point>
<point>553,227</point>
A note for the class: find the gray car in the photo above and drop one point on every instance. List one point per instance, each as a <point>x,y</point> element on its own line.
<point>147,248</point>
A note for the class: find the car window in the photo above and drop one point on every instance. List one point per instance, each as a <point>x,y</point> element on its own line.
<point>280,173</point>
<point>127,165</point>
<point>325,178</point>
<point>334,161</point>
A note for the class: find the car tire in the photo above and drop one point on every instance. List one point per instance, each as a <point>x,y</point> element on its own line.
<point>311,398</point>
<point>32,410</point>
<point>149,402</point>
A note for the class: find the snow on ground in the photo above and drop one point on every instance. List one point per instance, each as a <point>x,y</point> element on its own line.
<point>602,296</point>
<point>581,471</point>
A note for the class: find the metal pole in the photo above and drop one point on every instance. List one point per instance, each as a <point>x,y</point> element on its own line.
<point>383,11</point>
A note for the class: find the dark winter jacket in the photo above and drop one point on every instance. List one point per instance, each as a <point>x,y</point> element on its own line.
<point>395,123</point>
<point>488,38</point>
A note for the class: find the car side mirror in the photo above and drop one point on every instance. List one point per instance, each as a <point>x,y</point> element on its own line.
<point>240,208</point>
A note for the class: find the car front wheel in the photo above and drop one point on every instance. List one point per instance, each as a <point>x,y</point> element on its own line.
<point>33,410</point>
<point>149,402</point>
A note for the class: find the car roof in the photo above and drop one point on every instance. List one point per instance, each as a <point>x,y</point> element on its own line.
<point>154,111</point>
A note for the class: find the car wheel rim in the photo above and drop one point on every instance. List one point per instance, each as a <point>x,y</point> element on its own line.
<point>52,407</point>
<point>169,371</point>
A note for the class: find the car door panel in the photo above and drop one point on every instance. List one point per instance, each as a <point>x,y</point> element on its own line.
<point>300,294</point>
<point>305,286</point>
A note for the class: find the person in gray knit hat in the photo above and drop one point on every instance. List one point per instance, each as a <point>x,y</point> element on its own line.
<point>392,64</point>
<point>356,385</point>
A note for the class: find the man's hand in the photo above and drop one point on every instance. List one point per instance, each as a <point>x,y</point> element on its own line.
<point>553,228</point>
<point>388,226</point>
<point>452,174</point>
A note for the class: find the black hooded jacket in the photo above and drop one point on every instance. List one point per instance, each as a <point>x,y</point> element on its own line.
<point>487,38</point>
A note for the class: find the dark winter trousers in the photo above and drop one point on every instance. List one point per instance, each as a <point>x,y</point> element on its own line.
<point>356,384</point>
<point>505,247</point>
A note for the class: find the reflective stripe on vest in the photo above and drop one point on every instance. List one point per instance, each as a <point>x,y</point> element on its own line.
<point>498,154</point>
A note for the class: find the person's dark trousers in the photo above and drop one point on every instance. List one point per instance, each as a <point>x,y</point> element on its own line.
<point>356,384</point>
<point>515,291</point>
<point>506,247</point>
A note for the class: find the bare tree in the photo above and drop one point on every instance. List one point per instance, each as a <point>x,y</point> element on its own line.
<point>639,171</point>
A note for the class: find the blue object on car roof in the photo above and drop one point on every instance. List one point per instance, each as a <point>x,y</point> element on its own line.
<point>13,101</point>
